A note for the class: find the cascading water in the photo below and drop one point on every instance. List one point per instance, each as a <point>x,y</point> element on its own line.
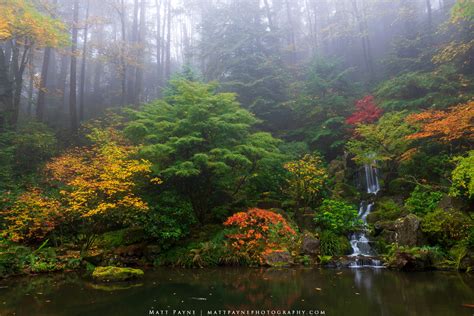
<point>372,179</point>
<point>361,250</point>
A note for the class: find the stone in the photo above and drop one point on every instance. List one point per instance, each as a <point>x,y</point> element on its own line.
<point>408,232</point>
<point>467,262</point>
<point>114,274</point>
<point>94,256</point>
<point>278,258</point>
<point>310,245</point>
<point>405,231</point>
<point>415,260</point>
<point>130,251</point>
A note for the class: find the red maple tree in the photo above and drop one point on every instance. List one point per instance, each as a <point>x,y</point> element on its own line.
<point>366,111</point>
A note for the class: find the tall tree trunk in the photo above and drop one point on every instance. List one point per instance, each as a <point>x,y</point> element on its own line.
<point>269,15</point>
<point>123,63</point>
<point>73,79</point>
<point>62,82</point>
<point>168,43</point>
<point>132,69</point>
<point>141,48</point>
<point>5,91</point>
<point>19,62</point>
<point>291,34</point>
<point>83,65</point>
<point>159,70</point>
<point>31,84</point>
<point>430,15</point>
<point>42,86</point>
<point>98,68</point>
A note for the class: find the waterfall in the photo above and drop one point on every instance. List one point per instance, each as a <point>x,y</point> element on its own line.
<point>372,179</point>
<point>359,242</point>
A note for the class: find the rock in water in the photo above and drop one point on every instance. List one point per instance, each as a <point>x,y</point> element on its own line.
<point>278,258</point>
<point>106,274</point>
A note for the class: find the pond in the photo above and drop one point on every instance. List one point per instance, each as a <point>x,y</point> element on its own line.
<point>257,292</point>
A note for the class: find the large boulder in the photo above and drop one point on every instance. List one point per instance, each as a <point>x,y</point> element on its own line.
<point>278,258</point>
<point>406,231</point>
<point>310,245</point>
<point>112,274</point>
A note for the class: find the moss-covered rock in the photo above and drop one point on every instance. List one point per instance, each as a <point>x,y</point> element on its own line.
<point>106,274</point>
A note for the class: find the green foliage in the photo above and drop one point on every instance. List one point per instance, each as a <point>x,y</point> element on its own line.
<point>23,151</point>
<point>386,209</point>
<point>200,254</point>
<point>463,9</point>
<point>463,176</point>
<point>337,216</point>
<point>423,200</point>
<point>333,245</point>
<point>324,259</point>
<point>169,219</point>
<point>321,105</point>
<point>445,228</point>
<point>458,252</point>
<point>202,145</point>
<point>420,90</point>
<point>384,141</point>
<point>425,256</point>
<point>241,56</point>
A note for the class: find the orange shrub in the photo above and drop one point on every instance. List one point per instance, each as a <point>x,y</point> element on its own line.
<point>258,232</point>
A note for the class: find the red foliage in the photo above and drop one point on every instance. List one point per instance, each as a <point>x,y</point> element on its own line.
<point>366,111</point>
<point>259,232</point>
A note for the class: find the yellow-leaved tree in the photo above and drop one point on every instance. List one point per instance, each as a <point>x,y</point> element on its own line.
<point>99,184</point>
<point>24,27</point>
<point>307,179</point>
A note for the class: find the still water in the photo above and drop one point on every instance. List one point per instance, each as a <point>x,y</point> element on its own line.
<point>328,292</point>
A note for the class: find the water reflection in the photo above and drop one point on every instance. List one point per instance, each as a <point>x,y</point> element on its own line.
<point>338,292</point>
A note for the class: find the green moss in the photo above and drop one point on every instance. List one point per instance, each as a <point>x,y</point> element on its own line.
<point>116,274</point>
<point>334,245</point>
<point>386,209</point>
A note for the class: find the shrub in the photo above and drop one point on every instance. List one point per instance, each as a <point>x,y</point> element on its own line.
<point>333,245</point>
<point>463,176</point>
<point>386,209</point>
<point>32,217</point>
<point>445,228</point>
<point>423,200</point>
<point>169,219</point>
<point>258,231</point>
<point>307,179</point>
<point>337,216</point>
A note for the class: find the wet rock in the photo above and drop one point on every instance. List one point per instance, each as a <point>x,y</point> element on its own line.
<point>467,263</point>
<point>408,232</point>
<point>106,274</point>
<point>405,231</point>
<point>310,245</point>
<point>94,256</point>
<point>278,258</point>
<point>130,251</point>
<point>412,261</point>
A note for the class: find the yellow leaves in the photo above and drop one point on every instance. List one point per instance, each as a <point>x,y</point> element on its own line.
<point>101,179</point>
<point>20,19</point>
<point>453,50</point>
<point>31,217</point>
<point>308,177</point>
